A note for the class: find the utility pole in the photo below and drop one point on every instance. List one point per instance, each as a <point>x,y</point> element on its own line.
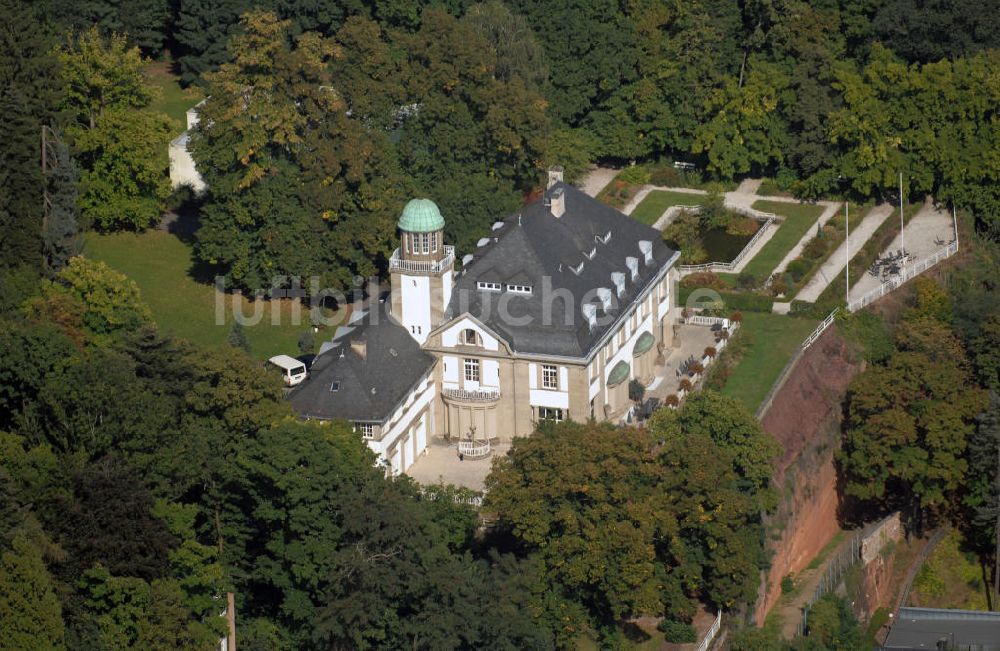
<point>902,227</point>
<point>847,253</point>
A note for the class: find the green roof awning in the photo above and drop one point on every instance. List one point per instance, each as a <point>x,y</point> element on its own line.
<point>618,374</point>
<point>645,342</point>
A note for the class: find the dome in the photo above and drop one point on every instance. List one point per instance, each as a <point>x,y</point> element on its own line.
<point>421,216</point>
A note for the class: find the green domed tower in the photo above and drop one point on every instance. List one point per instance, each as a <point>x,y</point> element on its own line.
<point>421,229</point>
<point>421,269</point>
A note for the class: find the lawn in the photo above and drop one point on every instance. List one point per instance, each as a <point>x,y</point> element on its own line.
<point>799,218</point>
<point>173,100</point>
<point>656,203</point>
<point>161,265</point>
<point>769,341</point>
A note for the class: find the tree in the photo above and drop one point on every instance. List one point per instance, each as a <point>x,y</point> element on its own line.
<point>118,140</point>
<point>60,235</point>
<point>29,99</point>
<point>238,337</point>
<point>146,23</point>
<point>518,52</point>
<point>907,428</point>
<point>297,186</point>
<point>929,31</point>
<point>111,302</point>
<point>32,616</point>
<point>728,423</point>
<point>746,132</point>
<point>984,489</point>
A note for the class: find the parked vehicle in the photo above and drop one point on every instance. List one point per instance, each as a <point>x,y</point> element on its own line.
<point>293,371</point>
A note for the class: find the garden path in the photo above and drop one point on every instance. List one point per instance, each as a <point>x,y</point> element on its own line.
<point>596,180</point>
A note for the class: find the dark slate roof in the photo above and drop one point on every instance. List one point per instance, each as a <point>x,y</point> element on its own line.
<point>370,387</point>
<point>532,245</point>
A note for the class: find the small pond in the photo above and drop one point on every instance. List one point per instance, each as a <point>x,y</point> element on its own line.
<point>720,245</point>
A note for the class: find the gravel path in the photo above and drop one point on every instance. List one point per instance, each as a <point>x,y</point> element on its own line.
<point>596,180</point>
<point>929,230</point>
<point>834,265</point>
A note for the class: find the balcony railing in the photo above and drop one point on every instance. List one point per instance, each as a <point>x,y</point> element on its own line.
<point>479,395</point>
<point>396,263</point>
<point>474,449</point>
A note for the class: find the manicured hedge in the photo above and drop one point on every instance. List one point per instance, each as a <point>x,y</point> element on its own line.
<point>734,300</point>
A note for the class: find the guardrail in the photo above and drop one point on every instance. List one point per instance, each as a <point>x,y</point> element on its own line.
<point>827,322</point>
<point>422,266</point>
<point>698,319</point>
<point>712,632</point>
<point>908,273</point>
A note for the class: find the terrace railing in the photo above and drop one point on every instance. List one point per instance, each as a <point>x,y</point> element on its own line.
<point>908,273</point>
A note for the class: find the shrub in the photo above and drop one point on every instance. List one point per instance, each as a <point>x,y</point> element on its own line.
<point>747,280</point>
<point>636,391</point>
<point>797,269</point>
<point>677,632</point>
<point>703,279</point>
<point>736,316</point>
<point>779,287</point>
<point>745,226</point>
<point>710,351</point>
<point>672,400</point>
<point>787,584</point>
<point>685,385</point>
<point>634,175</point>
<point>815,248</point>
<point>697,368</point>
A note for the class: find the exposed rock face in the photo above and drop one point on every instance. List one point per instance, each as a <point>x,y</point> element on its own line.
<point>805,418</point>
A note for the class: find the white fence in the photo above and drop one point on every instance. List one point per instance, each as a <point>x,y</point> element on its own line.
<point>698,319</point>
<point>820,329</point>
<point>908,273</point>
<point>712,632</point>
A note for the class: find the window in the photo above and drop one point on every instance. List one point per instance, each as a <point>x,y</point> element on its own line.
<point>434,242</point>
<point>470,337</point>
<point>334,386</point>
<point>519,289</point>
<point>550,377</point>
<point>550,414</point>
<point>416,329</point>
<point>367,430</point>
<point>425,243</point>
<point>471,370</point>
<point>488,287</point>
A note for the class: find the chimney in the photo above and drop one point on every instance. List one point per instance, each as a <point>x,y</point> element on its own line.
<point>557,202</point>
<point>360,347</point>
<point>555,175</point>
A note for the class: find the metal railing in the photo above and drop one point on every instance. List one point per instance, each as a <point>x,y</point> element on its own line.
<point>820,329</point>
<point>845,560</point>
<point>396,263</point>
<point>478,395</point>
<point>910,272</point>
<point>712,632</point>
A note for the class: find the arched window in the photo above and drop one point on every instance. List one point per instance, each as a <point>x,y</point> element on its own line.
<point>471,338</point>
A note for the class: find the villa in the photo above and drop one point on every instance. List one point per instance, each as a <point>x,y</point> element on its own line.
<point>557,310</point>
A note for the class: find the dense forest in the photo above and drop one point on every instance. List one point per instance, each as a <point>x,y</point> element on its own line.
<point>356,106</point>
<point>144,478</point>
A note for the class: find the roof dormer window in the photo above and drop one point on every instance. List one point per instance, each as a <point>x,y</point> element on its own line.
<point>488,287</point>
<point>633,266</point>
<point>578,269</point>
<point>590,311</point>
<point>646,248</point>
<point>618,278</point>
<point>590,255</point>
<point>519,289</point>
<point>604,294</point>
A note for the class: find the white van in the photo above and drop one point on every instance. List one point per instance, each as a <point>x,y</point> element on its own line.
<point>292,370</point>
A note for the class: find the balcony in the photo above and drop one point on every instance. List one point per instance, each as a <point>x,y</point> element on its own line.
<point>478,395</point>
<point>396,263</point>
